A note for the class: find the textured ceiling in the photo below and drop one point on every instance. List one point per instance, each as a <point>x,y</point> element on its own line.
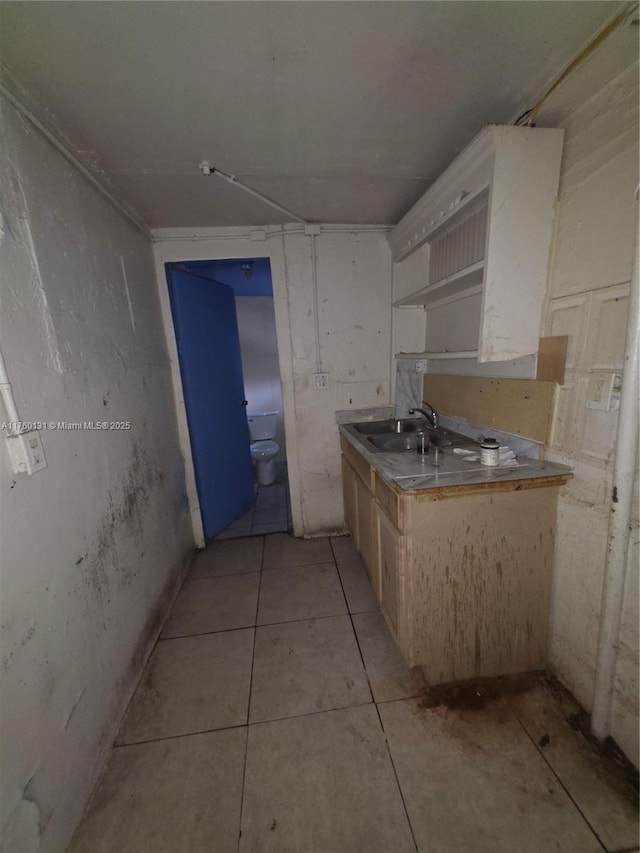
<point>341,111</point>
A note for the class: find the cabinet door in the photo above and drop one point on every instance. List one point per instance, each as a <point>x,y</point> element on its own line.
<point>367,544</point>
<point>393,580</point>
<point>367,532</point>
<point>349,497</point>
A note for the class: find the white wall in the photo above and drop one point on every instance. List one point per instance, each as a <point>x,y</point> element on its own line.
<point>259,352</point>
<point>588,291</point>
<point>354,316</point>
<point>93,546</point>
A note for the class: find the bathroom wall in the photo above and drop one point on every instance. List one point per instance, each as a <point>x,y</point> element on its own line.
<point>93,546</point>
<point>354,279</point>
<point>588,291</point>
<point>260,367</point>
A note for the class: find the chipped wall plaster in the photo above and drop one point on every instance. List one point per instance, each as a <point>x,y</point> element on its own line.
<point>588,299</point>
<point>94,545</point>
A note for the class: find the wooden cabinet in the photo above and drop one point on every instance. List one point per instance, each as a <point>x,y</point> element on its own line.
<point>360,509</point>
<point>486,225</point>
<point>367,533</point>
<point>462,573</point>
<point>349,498</point>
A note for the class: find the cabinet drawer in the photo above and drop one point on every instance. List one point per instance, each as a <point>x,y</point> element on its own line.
<point>357,462</point>
<point>390,502</point>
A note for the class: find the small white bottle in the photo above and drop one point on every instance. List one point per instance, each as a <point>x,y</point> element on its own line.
<point>489,452</point>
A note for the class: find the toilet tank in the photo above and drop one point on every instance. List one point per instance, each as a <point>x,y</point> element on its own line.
<point>262,425</point>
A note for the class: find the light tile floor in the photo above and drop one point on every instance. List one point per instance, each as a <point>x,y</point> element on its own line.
<point>275,714</point>
<point>271,513</point>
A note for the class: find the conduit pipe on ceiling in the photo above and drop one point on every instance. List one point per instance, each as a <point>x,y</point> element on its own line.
<point>207,169</point>
<point>620,509</point>
<point>326,229</point>
<point>316,309</point>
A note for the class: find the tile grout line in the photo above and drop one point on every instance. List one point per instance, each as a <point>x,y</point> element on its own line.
<point>316,713</point>
<point>178,736</point>
<point>375,705</point>
<point>299,565</point>
<point>324,710</point>
<point>353,627</point>
<point>395,773</point>
<point>561,783</point>
<point>271,625</point>
<point>215,577</point>
<point>255,630</point>
<point>206,633</point>
<point>253,657</point>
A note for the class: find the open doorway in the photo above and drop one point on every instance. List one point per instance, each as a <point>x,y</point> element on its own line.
<point>264,450</point>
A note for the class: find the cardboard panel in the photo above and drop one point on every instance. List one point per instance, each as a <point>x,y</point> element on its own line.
<point>552,356</point>
<point>520,406</point>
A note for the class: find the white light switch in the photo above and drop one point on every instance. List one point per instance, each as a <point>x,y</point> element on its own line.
<point>604,390</point>
<point>320,380</point>
<point>27,453</point>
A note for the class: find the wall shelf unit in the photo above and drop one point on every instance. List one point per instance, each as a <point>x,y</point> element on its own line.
<point>453,285</point>
<point>441,356</point>
<point>485,228</point>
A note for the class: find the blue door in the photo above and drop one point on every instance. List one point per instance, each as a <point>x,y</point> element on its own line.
<point>204,318</point>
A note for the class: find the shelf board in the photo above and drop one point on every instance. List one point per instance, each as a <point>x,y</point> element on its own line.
<point>443,355</point>
<point>453,285</point>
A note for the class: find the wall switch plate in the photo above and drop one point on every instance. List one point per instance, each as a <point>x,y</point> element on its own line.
<point>420,366</point>
<point>320,380</point>
<point>26,452</point>
<point>604,390</point>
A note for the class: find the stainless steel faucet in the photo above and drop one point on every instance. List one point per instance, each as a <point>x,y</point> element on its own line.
<point>431,415</point>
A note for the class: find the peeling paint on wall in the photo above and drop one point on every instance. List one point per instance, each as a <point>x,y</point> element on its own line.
<point>588,296</point>
<point>93,547</point>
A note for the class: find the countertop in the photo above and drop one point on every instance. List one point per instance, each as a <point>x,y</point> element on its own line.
<point>411,472</point>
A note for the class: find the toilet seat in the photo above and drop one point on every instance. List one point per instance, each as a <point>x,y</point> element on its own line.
<point>264,449</point>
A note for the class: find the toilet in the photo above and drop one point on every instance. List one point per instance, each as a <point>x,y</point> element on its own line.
<point>262,429</point>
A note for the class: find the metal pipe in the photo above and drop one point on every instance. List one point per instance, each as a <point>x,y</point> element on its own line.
<point>316,309</point>
<point>7,397</point>
<point>231,179</point>
<point>620,509</point>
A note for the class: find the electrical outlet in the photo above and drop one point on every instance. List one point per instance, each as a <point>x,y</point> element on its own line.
<point>420,366</point>
<point>320,380</point>
<point>26,452</point>
<point>604,390</point>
